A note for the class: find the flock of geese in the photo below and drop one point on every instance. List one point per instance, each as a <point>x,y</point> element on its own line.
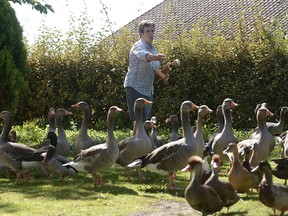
<point>248,159</point>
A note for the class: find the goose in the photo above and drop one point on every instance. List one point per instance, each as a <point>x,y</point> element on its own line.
<point>55,165</point>
<point>283,140</point>
<point>20,160</point>
<point>51,119</point>
<point>63,146</point>
<point>206,172</point>
<point>262,144</point>
<point>265,143</point>
<point>54,162</point>
<point>274,128</point>
<point>174,123</point>
<point>148,125</point>
<point>199,136</point>
<point>19,157</point>
<point>167,159</point>
<point>272,195</point>
<point>248,154</point>
<point>137,145</point>
<point>238,176</point>
<point>247,151</point>
<point>281,170</point>
<point>98,158</point>
<point>156,139</point>
<point>12,137</point>
<point>201,197</point>
<point>226,136</point>
<point>83,140</point>
<point>225,190</point>
<point>220,122</point>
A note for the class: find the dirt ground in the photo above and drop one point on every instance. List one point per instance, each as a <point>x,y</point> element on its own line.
<point>168,207</point>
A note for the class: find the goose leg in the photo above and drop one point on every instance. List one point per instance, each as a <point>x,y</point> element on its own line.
<point>94,179</point>
<point>99,181</point>
<point>171,181</point>
<point>17,178</point>
<point>127,170</point>
<point>26,177</point>
<point>140,174</point>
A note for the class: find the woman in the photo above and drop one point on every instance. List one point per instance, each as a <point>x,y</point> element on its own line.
<point>144,61</point>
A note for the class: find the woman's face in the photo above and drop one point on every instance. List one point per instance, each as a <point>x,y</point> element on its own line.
<point>148,34</point>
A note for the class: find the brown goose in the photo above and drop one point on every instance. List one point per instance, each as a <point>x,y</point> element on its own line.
<point>220,122</point>
<point>199,136</point>
<point>63,146</point>
<point>98,157</point>
<point>272,195</point>
<point>201,197</point>
<point>226,136</point>
<point>169,158</point>
<point>238,176</point>
<point>225,190</point>
<point>83,140</point>
<point>19,157</point>
<point>174,123</point>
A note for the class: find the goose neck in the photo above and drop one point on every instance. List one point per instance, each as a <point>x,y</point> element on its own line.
<point>7,128</point>
<point>187,130</point>
<point>85,122</point>
<point>110,127</point>
<point>262,124</point>
<point>227,120</point>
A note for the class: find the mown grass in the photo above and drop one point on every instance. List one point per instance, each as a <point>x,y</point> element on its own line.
<point>77,196</point>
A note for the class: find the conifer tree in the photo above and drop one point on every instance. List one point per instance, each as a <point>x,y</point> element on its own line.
<point>12,58</point>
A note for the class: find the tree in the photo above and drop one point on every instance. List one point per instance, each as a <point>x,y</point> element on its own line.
<point>42,8</point>
<point>12,58</point>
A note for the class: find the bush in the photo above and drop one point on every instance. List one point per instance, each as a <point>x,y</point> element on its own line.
<point>247,65</point>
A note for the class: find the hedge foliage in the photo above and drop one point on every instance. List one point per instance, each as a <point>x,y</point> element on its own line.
<point>248,65</point>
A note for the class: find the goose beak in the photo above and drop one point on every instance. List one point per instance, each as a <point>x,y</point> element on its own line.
<point>76,106</point>
<point>233,104</point>
<point>67,113</point>
<point>268,113</point>
<point>195,107</point>
<point>147,102</point>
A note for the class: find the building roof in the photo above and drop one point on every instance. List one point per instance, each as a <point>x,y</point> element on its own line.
<point>187,12</point>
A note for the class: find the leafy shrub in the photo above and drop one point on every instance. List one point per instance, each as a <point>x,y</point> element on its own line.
<point>247,65</point>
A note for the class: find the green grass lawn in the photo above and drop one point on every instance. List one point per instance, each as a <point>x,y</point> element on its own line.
<point>77,195</point>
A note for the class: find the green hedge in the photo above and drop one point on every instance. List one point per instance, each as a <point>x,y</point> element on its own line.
<point>247,65</point>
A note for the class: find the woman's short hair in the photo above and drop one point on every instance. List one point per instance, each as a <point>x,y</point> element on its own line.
<point>145,23</point>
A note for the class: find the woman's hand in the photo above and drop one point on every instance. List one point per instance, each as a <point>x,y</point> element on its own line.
<point>161,57</point>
